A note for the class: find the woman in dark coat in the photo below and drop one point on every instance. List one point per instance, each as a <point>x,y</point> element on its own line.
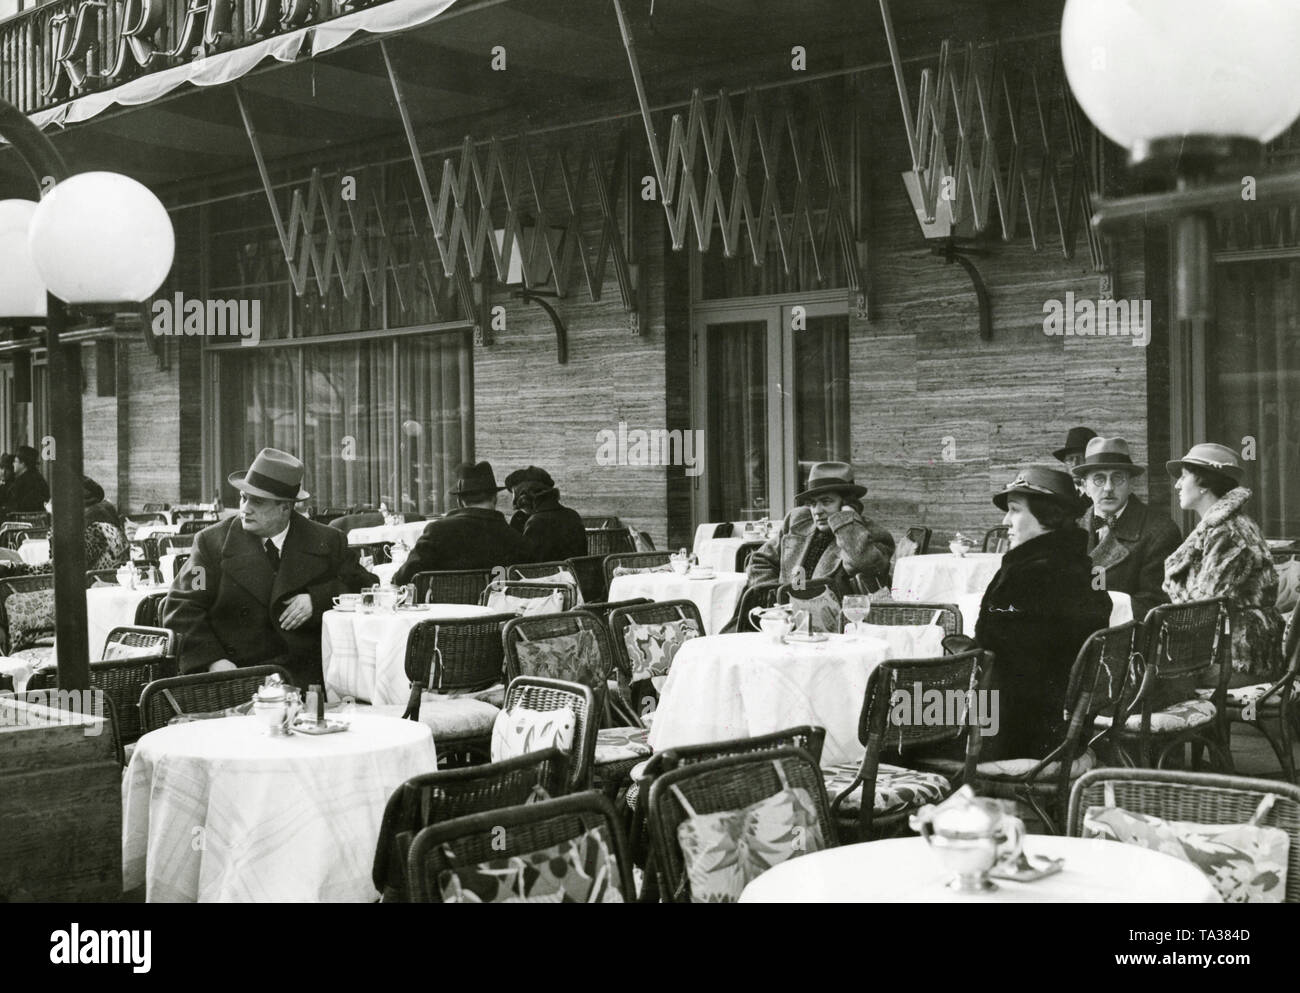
<point>1037,612</point>
<point>556,531</point>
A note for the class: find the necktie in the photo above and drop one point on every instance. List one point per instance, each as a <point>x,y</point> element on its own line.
<point>273,554</point>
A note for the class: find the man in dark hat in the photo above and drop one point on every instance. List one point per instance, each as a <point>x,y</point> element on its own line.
<point>556,531</point>
<point>1071,453</point>
<point>1125,538</point>
<point>474,536</point>
<point>827,534</point>
<point>256,585</point>
<point>29,491</point>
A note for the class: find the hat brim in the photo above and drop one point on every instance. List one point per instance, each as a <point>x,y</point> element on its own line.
<point>458,492</point>
<point>850,490</point>
<point>1072,503</point>
<point>236,479</point>
<point>1061,453</point>
<point>1175,469</point>
<point>1079,471</point>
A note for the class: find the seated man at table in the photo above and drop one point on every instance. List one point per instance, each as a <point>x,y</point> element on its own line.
<point>256,585</point>
<point>473,536</point>
<point>826,535</point>
<point>1125,539</point>
<point>556,531</point>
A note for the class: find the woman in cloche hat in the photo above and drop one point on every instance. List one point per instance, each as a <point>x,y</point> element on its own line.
<point>1038,611</point>
<point>1226,555</point>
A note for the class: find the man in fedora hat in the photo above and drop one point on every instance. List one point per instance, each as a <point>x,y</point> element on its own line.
<point>1125,539</point>
<point>473,536</point>
<point>1072,452</point>
<point>556,531</point>
<point>256,585</point>
<point>827,534</point>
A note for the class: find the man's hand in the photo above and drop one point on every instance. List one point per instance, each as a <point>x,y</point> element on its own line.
<point>221,665</point>
<point>297,612</point>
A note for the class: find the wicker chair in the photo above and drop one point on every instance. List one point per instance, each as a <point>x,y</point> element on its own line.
<point>168,543</point>
<point>538,694</point>
<point>920,538</point>
<point>201,693</point>
<point>1179,643</point>
<point>997,539</point>
<point>609,541</point>
<point>461,656</point>
<point>133,658</point>
<point>724,784</point>
<point>946,615</point>
<point>530,827</point>
<point>900,790</point>
<point>641,694</point>
<point>754,595</point>
<point>195,525</point>
<point>601,523</point>
<point>15,534</point>
<point>531,591</point>
<point>451,585</point>
<point>25,584</point>
<point>540,570</point>
<point>637,798</point>
<point>811,589</point>
<point>744,552</point>
<point>604,608</point>
<point>634,562</point>
<point>1199,798</point>
<point>436,797</point>
<point>149,611</point>
<point>590,570</point>
<point>31,518</point>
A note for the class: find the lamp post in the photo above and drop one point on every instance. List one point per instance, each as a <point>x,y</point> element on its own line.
<point>95,239</point>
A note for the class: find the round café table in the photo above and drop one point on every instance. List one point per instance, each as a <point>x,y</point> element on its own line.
<point>364,655</point>
<point>219,811</point>
<point>940,578</point>
<point>720,553</point>
<point>739,685</point>
<point>905,870</point>
<point>716,597</point>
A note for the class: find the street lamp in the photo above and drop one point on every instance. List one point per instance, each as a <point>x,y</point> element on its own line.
<point>95,240</point>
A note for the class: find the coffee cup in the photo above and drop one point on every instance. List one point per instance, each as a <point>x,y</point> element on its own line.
<point>347,601</point>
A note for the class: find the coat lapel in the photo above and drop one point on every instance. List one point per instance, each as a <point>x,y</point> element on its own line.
<point>244,562</point>
<point>300,560</point>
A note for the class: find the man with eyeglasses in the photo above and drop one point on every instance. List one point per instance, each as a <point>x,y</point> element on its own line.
<point>1126,540</point>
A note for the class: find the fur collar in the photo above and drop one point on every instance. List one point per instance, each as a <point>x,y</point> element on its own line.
<point>1226,506</point>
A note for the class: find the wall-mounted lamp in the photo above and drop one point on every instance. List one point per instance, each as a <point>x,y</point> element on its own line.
<point>529,267</point>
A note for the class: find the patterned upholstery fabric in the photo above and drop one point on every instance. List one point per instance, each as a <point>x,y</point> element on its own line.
<point>522,731</point>
<point>447,716</point>
<point>726,851</point>
<point>528,606</point>
<point>1011,768</point>
<point>651,647</point>
<point>106,546</point>
<point>623,570</point>
<point>31,617</point>
<point>1179,717</point>
<point>573,657</point>
<point>1242,695</point>
<point>580,870</point>
<point>621,744</point>
<point>1246,863</point>
<point>823,612</point>
<point>896,788</point>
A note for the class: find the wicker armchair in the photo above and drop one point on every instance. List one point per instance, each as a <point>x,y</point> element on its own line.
<point>634,561</point>
<point>540,570</point>
<point>13,535</point>
<point>530,827</point>
<point>645,695</point>
<point>530,591</point>
<point>1200,798</point>
<point>133,658</point>
<point>537,694</point>
<point>744,552</point>
<point>725,784</point>
<point>609,541</point>
<point>946,615</point>
<point>920,538</point>
<point>603,608</point>
<point>201,693</point>
<point>449,657</point>
<point>167,543</point>
<point>1180,642</point>
<point>601,523</point>
<point>196,524</point>
<point>997,539</point>
<point>754,595</point>
<point>898,790</point>
<point>590,570</point>
<point>442,796</point>
<point>24,584</point>
<point>149,611</point>
<point>451,585</point>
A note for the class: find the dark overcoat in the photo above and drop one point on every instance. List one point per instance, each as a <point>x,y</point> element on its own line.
<point>1133,554</point>
<point>556,531</point>
<point>467,538</point>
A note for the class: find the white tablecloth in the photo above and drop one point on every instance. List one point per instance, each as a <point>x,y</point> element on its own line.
<point>704,533</point>
<point>364,655</point>
<point>409,532</point>
<point>109,607</point>
<point>716,597</point>
<point>904,870</point>
<point>153,530</point>
<point>1121,609</point>
<point>940,578</point>
<point>220,811</point>
<point>35,551</point>
<point>739,685</point>
<point>721,552</point>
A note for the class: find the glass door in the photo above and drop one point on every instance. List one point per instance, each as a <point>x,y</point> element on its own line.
<point>771,392</point>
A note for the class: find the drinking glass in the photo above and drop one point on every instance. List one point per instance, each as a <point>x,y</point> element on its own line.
<point>855,608</point>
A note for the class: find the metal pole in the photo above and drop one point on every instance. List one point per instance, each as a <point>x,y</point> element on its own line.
<point>68,531</point>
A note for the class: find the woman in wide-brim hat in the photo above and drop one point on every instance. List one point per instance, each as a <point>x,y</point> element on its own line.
<point>1226,555</point>
<point>1038,611</point>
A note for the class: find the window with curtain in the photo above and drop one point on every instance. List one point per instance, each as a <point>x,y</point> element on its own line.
<point>821,406</point>
<point>738,420</point>
<point>1253,387</point>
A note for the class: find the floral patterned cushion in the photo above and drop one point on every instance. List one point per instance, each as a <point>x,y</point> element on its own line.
<point>896,788</point>
<point>624,570</point>
<point>651,647</point>
<point>31,617</point>
<point>521,731</point>
<point>621,744</point>
<point>527,605</point>
<point>580,870</point>
<point>823,612</point>
<point>106,546</point>
<point>573,657</point>
<point>726,851</point>
<point>1178,717</point>
<point>1240,696</point>
<point>1247,863</point>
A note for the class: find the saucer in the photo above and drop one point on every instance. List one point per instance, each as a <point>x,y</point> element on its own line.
<point>346,609</point>
<point>805,639</point>
<point>701,575</point>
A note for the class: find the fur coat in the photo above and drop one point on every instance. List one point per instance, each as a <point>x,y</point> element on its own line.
<point>1225,555</point>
